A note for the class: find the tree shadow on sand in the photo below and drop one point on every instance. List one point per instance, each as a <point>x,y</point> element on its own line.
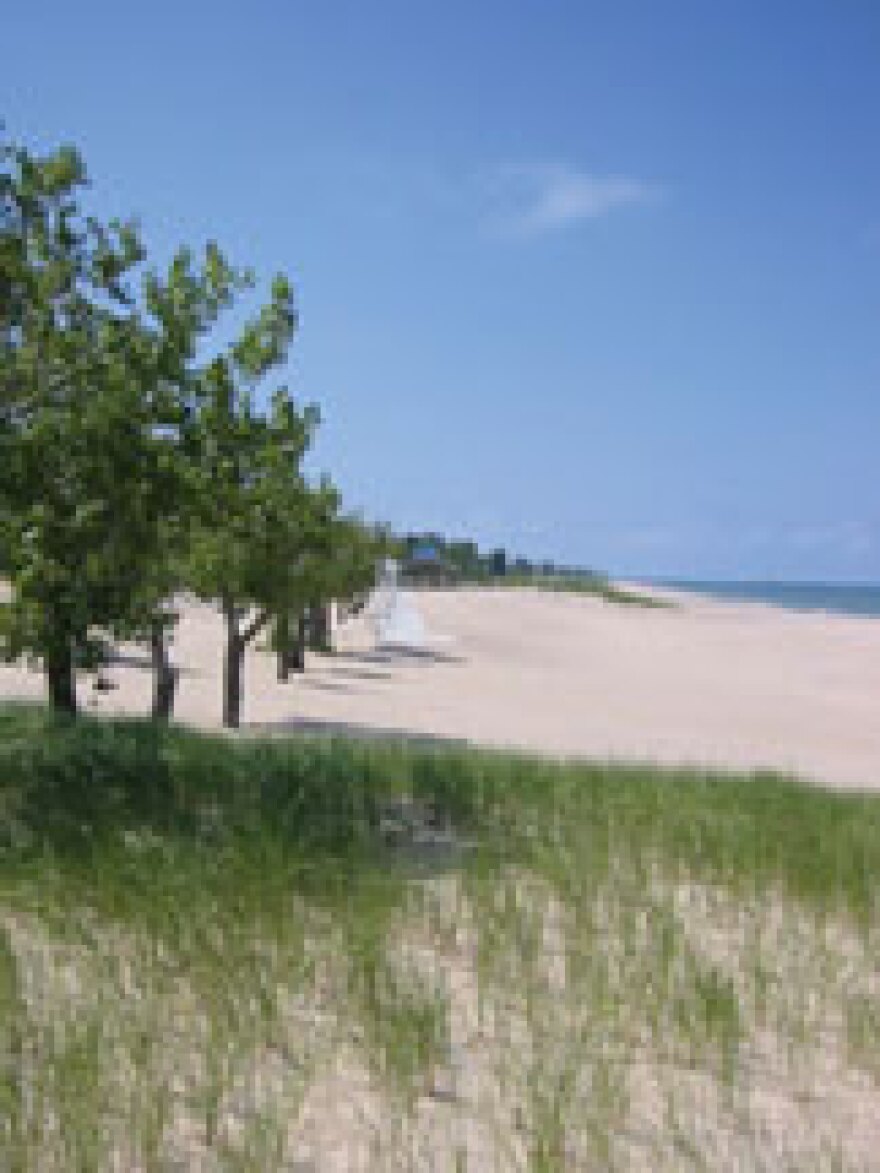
<point>319,685</point>
<point>387,655</point>
<point>352,730</point>
<point>348,672</point>
<point>134,659</point>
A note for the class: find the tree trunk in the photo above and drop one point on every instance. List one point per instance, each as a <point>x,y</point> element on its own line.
<point>61,678</point>
<point>233,668</point>
<point>164,675</point>
<point>282,644</point>
<point>298,647</point>
<point>319,627</point>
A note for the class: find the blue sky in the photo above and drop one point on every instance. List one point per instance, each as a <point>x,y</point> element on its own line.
<point>599,281</point>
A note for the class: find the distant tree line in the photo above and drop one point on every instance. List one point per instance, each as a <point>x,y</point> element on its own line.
<point>433,557</point>
<point>136,460</point>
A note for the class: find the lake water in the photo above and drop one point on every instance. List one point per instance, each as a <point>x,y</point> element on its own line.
<point>846,598</point>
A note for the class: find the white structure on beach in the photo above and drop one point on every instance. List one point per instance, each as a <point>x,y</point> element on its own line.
<point>397,622</point>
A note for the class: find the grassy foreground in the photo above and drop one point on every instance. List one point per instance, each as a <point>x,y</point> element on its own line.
<point>316,954</point>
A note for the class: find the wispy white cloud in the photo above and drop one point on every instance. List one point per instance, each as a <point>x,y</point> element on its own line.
<point>535,199</point>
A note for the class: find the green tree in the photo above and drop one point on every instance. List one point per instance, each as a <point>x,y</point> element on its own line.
<point>310,581</point>
<point>96,388</point>
<point>344,569</point>
<point>249,530</point>
<point>337,565</point>
<point>498,562</point>
<point>182,305</point>
<point>82,472</point>
<point>129,467</point>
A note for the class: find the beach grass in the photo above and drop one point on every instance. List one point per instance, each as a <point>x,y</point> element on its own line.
<point>323,953</point>
<point>594,585</point>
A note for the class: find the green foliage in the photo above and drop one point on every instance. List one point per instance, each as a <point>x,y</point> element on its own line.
<point>96,388</point>
<point>74,438</point>
<point>251,529</point>
<point>258,525</point>
<point>204,889</point>
<point>97,778</point>
<point>130,465</point>
<point>63,784</point>
<point>11,1047</point>
<point>433,557</point>
<point>576,583</point>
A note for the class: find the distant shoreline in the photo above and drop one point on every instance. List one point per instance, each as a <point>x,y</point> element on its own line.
<point>861,599</point>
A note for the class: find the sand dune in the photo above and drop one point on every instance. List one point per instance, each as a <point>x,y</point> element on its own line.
<point>704,683</point>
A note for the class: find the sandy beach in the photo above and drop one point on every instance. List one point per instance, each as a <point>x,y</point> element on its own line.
<point>702,683</point>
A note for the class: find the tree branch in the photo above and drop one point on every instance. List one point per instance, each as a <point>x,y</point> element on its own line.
<point>256,626</point>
